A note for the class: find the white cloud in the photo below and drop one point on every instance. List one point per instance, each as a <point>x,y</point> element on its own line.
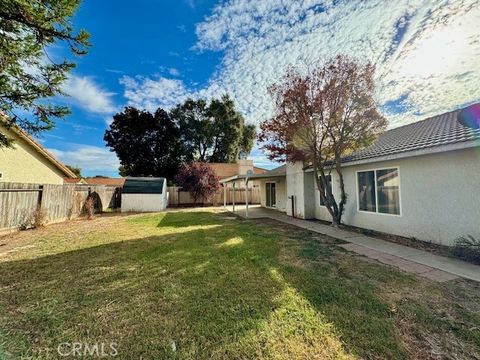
<point>426,51</point>
<point>88,95</point>
<point>174,72</point>
<point>89,158</point>
<point>190,3</point>
<point>151,93</point>
<point>261,160</point>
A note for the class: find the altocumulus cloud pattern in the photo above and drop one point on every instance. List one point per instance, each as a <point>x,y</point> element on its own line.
<point>427,52</point>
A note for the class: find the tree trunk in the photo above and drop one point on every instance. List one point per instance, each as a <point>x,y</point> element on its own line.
<point>343,196</point>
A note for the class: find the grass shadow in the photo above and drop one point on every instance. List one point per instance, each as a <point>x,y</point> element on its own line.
<point>204,285</point>
<point>205,291</point>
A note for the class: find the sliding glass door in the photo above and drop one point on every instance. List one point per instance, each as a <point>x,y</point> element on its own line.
<point>271,195</point>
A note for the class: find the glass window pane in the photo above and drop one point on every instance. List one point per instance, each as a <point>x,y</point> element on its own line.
<point>388,191</point>
<point>274,195</point>
<point>366,191</point>
<point>268,201</point>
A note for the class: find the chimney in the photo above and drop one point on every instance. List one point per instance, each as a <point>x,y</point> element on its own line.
<point>244,166</point>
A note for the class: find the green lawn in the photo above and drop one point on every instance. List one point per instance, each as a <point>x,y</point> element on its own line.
<point>203,285</point>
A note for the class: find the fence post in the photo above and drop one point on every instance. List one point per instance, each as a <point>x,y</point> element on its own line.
<point>40,197</point>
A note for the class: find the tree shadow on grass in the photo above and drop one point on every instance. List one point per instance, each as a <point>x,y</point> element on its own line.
<point>177,219</point>
<point>215,293</point>
<point>143,294</point>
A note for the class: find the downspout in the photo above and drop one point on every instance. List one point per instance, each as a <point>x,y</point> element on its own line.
<point>292,201</point>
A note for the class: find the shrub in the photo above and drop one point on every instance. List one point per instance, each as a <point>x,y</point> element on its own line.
<point>34,220</point>
<point>199,180</point>
<point>467,248</point>
<point>38,218</point>
<point>89,207</point>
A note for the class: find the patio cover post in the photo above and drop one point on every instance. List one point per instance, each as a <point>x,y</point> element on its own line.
<point>233,200</point>
<point>224,195</point>
<point>246,198</point>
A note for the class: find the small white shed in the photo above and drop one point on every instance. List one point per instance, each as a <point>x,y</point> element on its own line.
<point>144,194</point>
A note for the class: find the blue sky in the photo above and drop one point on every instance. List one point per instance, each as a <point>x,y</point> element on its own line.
<point>151,53</point>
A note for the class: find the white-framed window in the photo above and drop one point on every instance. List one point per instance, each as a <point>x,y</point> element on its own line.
<point>378,191</point>
<point>323,190</point>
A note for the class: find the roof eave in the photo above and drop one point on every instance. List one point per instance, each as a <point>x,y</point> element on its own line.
<point>38,148</point>
<point>252,177</point>
<point>413,153</point>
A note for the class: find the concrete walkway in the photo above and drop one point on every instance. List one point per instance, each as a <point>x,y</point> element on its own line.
<point>409,259</point>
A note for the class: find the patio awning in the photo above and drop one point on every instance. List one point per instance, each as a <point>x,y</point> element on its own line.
<point>280,171</point>
<point>275,173</point>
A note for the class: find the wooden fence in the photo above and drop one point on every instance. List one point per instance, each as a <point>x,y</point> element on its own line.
<point>20,202</point>
<point>177,197</point>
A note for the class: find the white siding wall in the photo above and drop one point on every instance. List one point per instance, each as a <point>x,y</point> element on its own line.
<point>281,191</point>
<point>439,197</point>
<point>301,186</point>
<point>143,202</point>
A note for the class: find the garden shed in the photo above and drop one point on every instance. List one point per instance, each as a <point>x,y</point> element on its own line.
<point>144,194</point>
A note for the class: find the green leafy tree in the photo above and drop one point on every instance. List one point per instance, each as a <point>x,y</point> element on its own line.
<point>28,77</point>
<point>214,132</point>
<point>248,137</point>
<point>146,144</point>
<point>196,127</point>
<point>76,170</point>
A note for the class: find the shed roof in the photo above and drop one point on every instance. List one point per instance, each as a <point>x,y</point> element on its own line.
<point>143,185</point>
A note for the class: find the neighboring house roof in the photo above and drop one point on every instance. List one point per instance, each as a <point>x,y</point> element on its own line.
<point>105,181</point>
<point>259,170</point>
<point>74,181</point>
<point>143,185</point>
<point>436,131</point>
<point>278,171</point>
<point>224,170</point>
<point>38,148</point>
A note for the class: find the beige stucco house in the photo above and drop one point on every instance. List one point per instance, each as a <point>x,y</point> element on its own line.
<point>28,162</point>
<point>420,180</point>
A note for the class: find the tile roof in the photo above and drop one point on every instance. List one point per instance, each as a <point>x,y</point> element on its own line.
<point>259,170</point>
<point>224,170</point>
<point>105,181</point>
<point>444,129</point>
<point>281,170</point>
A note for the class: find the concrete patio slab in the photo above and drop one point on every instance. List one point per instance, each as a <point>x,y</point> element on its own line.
<point>435,267</point>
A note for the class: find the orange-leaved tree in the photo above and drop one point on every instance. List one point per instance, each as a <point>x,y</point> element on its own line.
<point>321,116</point>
